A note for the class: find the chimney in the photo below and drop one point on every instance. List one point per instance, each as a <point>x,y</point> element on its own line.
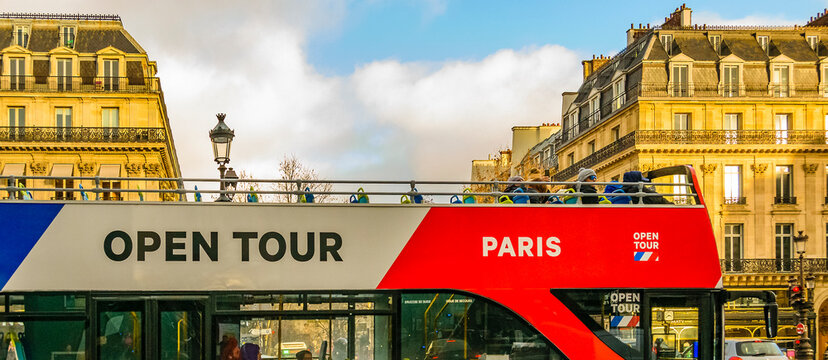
<point>591,66</point>
<point>679,18</point>
<point>685,14</point>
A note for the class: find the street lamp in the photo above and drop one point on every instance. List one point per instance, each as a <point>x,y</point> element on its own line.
<point>222,136</point>
<point>804,351</point>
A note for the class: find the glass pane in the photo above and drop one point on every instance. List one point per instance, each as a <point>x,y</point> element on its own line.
<point>120,335</point>
<point>373,337</point>
<point>58,340</point>
<point>675,327</point>
<point>615,317</point>
<point>181,332</point>
<point>47,303</point>
<point>445,325</point>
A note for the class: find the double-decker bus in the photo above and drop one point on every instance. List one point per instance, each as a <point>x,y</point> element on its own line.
<point>429,281</point>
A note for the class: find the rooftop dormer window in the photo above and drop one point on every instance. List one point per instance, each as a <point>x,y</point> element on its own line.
<point>813,41</point>
<point>716,42</point>
<point>667,41</point>
<point>21,35</point>
<point>67,36</point>
<point>763,43</point>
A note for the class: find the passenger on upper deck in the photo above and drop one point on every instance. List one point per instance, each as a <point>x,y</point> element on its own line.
<point>636,176</point>
<point>513,187</point>
<point>538,188</point>
<point>587,176</point>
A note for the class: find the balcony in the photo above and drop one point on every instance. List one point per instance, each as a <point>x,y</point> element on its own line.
<point>732,137</point>
<point>79,84</point>
<point>773,266</point>
<point>735,200</point>
<point>784,200</point>
<point>83,134</point>
<point>695,137</point>
<point>662,89</point>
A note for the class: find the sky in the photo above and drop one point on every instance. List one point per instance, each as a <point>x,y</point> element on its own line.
<point>380,89</point>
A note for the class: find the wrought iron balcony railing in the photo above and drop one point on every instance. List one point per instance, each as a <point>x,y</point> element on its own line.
<point>784,200</point>
<point>89,84</point>
<point>695,137</point>
<point>732,137</point>
<point>772,266</point>
<point>735,200</point>
<point>662,89</point>
<point>83,134</point>
<point>625,142</point>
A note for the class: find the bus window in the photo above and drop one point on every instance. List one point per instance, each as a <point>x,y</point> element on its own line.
<point>119,335</point>
<point>42,339</point>
<point>675,327</point>
<point>446,325</point>
<point>610,312</point>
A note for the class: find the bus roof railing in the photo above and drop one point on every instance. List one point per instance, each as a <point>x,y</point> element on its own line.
<point>685,192</point>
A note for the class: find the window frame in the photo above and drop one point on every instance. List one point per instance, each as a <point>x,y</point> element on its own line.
<point>764,42</point>
<point>667,42</point>
<point>783,178</point>
<point>716,42</point>
<point>733,263</point>
<point>813,45</point>
<point>618,94</point>
<point>68,30</point>
<point>679,88</point>
<point>730,88</point>
<point>778,88</point>
<point>733,184</point>
<point>24,31</point>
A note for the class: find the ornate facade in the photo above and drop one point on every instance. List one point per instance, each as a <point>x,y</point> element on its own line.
<point>80,97</point>
<point>747,107</point>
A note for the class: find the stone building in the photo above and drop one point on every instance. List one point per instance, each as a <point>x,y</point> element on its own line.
<point>747,107</point>
<point>80,97</point>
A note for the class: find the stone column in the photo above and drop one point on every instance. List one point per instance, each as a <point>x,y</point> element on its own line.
<point>762,239</point>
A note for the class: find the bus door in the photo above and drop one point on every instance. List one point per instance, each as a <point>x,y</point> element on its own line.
<point>682,325</point>
<point>142,328</point>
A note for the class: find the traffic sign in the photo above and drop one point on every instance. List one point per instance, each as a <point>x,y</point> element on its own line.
<point>800,328</point>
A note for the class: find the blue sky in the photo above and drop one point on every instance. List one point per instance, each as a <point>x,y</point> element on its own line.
<point>471,30</point>
<point>380,89</point>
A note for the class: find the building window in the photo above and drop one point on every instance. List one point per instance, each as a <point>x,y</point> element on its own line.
<point>64,74</point>
<point>784,247</point>
<point>781,123</point>
<point>681,85</point>
<point>16,170</point>
<point>733,246</point>
<point>733,184</point>
<point>110,74</point>
<point>716,42</point>
<point>17,74</point>
<point>110,186</point>
<point>730,80</point>
<point>17,122</point>
<point>62,171</point>
<point>591,147</point>
<point>616,133</point>
<point>824,83</point>
<point>618,95</point>
<point>763,43</point>
<point>109,120</point>
<point>681,122</point>
<point>813,42</point>
<point>667,41</point>
<point>594,110</point>
<point>67,36</point>
<point>780,86</point>
<point>63,121</point>
<point>784,185</point>
<point>732,125</point>
<point>21,35</point>
<point>570,159</point>
<point>680,189</point>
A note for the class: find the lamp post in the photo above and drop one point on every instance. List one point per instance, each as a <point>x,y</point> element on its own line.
<point>222,136</point>
<point>804,351</point>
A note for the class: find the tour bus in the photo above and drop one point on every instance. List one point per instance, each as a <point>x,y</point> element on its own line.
<point>89,279</point>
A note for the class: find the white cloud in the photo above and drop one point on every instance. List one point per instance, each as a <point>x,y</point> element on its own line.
<point>389,119</point>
